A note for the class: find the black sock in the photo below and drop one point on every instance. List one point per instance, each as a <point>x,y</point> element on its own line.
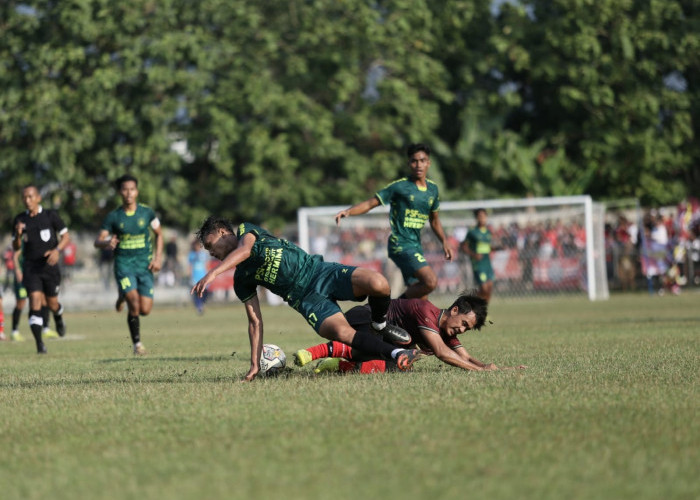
<point>379,307</point>
<point>371,345</point>
<point>16,315</point>
<point>45,316</point>
<point>36,323</point>
<point>134,328</point>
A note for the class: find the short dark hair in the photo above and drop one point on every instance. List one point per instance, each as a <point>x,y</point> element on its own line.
<point>126,178</point>
<point>414,148</point>
<point>467,302</point>
<point>477,210</point>
<point>211,224</point>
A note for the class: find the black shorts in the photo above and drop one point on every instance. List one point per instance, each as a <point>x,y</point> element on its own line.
<point>360,318</point>
<point>46,279</point>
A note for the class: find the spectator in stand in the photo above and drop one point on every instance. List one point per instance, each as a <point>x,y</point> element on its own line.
<point>69,258</point>
<point>198,258</point>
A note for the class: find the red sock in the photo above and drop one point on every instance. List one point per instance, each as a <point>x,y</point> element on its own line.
<point>339,350</point>
<point>373,366</point>
<point>2,321</point>
<point>319,351</point>
<point>346,366</point>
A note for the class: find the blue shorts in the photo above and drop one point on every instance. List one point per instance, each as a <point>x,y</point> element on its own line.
<point>408,261</point>
<point>319,300</point>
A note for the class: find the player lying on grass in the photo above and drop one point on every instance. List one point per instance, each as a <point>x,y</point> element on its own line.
<point>432,329</point>
<point>312,287</point>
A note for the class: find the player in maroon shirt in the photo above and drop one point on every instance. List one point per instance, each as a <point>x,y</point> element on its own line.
<point>432,329</point>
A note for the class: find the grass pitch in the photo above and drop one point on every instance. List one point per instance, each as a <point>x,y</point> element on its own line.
<point>608,408</point>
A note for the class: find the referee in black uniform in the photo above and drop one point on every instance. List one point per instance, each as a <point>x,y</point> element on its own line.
<point>44,236</point>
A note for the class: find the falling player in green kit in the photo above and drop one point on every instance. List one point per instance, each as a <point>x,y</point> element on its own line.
<point>414,200</point>
<point>127,231</point>
<point>311,286</point>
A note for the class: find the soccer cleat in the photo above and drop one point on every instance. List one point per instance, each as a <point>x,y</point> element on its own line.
<point>48,333</point>
<point>16,336</point>
<point>41,349</point>
<point>394,335</point>
<point>327,365</point>
<point>302,357</point>
<point>407,357</point>
<point>60,326</point>
<point>2,336</point>
<point>139,349</point>
<point>121,300</point>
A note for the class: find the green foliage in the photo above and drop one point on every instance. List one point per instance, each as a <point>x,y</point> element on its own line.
<point>280,104</point>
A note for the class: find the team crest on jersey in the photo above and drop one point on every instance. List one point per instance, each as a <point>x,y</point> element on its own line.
<point>430,200</point>
<point>412,198</point>
<point>142,222</point>
<point>45,234</point>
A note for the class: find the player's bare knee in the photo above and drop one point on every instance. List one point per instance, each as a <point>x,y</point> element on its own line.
<point>430,282</point>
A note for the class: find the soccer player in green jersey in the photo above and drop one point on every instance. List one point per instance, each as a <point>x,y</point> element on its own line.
<point>311,286</point>
<point>477,245</point>
<point>127,231</point>
<point>413,201</point>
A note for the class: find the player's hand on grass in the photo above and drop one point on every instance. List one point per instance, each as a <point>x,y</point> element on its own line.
<point>490,367</point>
<point>251,374</point>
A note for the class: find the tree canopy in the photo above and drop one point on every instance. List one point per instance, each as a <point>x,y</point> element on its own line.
<point>253,109</point>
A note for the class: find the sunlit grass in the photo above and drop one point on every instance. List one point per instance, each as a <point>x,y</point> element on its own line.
<point>607,409</point>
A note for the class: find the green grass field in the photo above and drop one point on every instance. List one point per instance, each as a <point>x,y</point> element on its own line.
<point>608,408</point>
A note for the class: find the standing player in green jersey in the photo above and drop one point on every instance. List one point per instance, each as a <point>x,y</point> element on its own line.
<point>413,200</point>
<point>127,231</point>
<point>477,245</point>
<point>311,286</point>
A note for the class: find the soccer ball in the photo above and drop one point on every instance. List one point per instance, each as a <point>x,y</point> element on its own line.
<point>272,360</point>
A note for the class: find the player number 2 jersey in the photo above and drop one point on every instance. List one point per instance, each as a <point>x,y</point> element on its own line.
<point>410,209</point>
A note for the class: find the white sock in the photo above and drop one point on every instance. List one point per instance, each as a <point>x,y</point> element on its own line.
<point>378,326</point>
<point>396,352</point>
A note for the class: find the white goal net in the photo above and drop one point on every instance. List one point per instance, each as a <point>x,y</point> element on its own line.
<point>543,246</point>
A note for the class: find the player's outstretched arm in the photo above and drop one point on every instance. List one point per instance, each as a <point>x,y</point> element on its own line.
<point>241,253</point>
<point>255,333</point>
<point>486,366</point>
<point>360,208</point>
<point>445,354</point>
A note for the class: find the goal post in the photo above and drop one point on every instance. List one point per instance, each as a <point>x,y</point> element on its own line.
<point>542,246</point>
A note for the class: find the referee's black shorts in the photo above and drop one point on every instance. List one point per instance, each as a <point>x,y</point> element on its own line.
<point>42,278</point>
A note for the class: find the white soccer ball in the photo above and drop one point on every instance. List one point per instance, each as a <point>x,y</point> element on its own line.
<point>272,360</point>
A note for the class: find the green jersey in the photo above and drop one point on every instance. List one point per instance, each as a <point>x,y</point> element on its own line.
<point>410,209</point>
<point>479,241</point>
<point>274,263</point>
<point>134,232</point>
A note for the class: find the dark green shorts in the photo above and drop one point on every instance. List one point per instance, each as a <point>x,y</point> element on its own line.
<point>408,261</point>
<point>483,273</point>
<point>20,291</point>
<point>140,280</point>
<point>320,298</point>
